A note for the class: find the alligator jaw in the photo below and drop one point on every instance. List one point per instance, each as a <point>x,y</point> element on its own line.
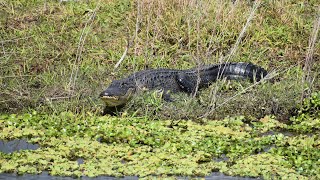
<point>113,101</point>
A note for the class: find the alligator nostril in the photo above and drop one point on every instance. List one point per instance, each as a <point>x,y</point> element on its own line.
<point>103,94</point>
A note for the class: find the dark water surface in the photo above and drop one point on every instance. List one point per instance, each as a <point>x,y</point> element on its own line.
<point>16,145</point>
<point>22,144</point>
<point>46,176</point>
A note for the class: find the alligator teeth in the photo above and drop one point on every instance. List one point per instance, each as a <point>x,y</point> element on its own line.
<point>110,97</point>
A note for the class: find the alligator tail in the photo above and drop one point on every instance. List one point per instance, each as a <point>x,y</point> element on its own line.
<point>190,81</point>
<point>241,70</point>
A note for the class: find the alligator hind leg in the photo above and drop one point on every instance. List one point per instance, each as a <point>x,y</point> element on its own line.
<point>187,83</point>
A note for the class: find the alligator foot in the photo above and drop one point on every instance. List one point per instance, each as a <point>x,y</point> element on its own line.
<point>166,96</point>
<point>113,111</point>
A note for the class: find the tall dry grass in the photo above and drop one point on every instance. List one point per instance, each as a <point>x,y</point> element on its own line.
<point>308,76</point>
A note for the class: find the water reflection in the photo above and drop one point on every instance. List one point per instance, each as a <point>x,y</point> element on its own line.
<point>80,161</point>
<point>16,145</point>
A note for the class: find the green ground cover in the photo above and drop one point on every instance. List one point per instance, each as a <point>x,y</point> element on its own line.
<point>56,57</point>
<point>139,146</point>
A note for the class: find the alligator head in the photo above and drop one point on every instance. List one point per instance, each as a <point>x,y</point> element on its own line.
<point>118,93</point>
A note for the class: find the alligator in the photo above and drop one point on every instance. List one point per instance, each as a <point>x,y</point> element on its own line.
<point>169,81</point>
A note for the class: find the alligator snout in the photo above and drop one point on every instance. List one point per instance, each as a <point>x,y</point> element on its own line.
<point>104,93</point>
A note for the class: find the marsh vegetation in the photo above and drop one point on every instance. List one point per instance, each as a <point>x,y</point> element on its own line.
<point>57,56</point>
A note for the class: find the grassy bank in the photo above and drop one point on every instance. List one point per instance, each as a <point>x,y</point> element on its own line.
<point>59,56</point>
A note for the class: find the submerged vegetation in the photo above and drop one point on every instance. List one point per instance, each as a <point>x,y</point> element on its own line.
<point>57,56</point>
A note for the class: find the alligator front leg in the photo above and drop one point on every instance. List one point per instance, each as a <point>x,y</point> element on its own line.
<point>187,83</point>
<point>166,96</point>
<point>113,111</point>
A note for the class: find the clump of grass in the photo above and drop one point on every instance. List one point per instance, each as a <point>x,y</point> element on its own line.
<point>309,76</point>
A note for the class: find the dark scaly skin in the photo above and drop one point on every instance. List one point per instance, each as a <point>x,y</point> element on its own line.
<point>120,91</point>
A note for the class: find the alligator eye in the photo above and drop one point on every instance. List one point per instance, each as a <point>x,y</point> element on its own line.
<point>123,84</point>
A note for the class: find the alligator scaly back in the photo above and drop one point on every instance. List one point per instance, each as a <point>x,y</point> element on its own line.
<point>173,81</point>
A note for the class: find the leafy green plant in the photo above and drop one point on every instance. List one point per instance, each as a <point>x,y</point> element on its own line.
<point>140,146</point>
<point>308,117</point>
<point>311,105</point>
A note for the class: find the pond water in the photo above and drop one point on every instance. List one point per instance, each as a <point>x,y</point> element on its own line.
<point>46,176</point>
<point>16,145</point>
